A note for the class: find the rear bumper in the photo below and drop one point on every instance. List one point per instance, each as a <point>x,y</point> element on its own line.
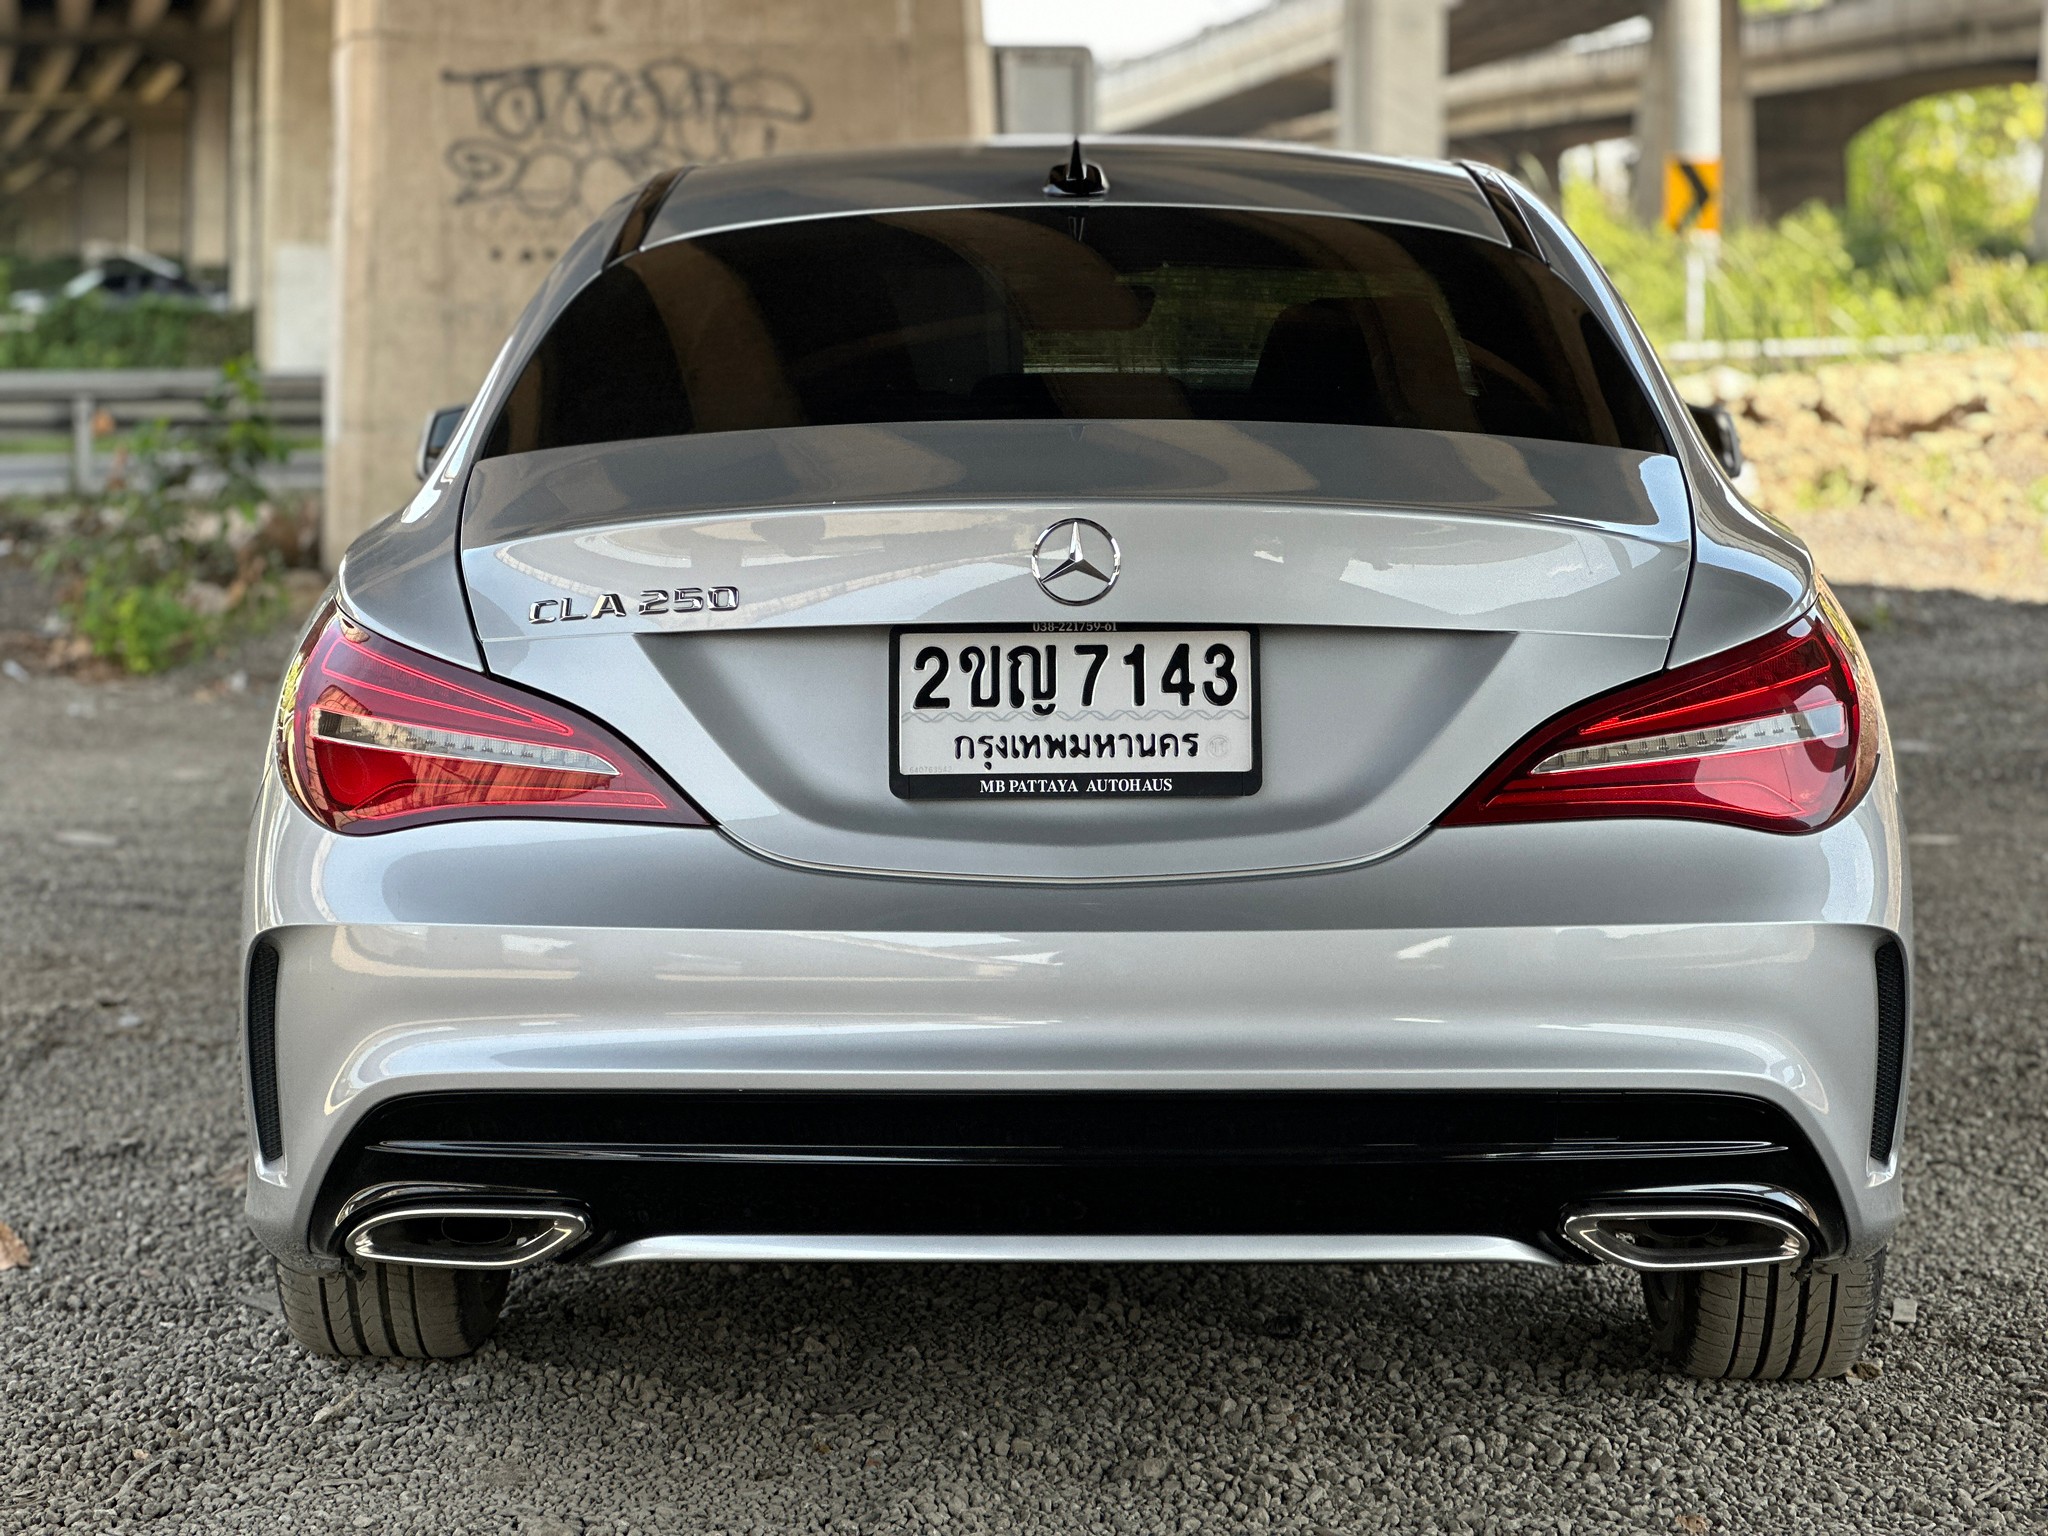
<point>1304,1173</point>
<point>1648,992</point>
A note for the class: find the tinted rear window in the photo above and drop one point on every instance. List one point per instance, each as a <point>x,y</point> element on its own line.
<point>1128,313</point>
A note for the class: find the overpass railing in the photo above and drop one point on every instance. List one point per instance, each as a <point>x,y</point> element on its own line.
<point>85,403</point>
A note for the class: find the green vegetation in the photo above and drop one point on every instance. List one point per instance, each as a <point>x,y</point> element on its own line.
<point>148,333</point>
<point>1932,242</point>
<point>159,572</point>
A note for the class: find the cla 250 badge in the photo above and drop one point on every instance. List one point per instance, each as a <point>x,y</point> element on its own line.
<point>611,605</point>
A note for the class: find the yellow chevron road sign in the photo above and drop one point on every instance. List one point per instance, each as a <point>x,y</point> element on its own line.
<point>1692,196</point>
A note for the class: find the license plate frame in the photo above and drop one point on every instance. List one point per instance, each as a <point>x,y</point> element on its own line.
<point>1076,781</point>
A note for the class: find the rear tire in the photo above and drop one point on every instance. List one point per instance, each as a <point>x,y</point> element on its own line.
<point>392,1311</point>
<point>1777,1322</point>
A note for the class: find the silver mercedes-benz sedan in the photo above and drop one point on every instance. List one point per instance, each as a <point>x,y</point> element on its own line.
<point>1190,703</point>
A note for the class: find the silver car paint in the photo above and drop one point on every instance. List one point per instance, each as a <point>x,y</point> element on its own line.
<point>403,577</point>
<point>460,956</point>
<point>1750,574</point>
<point>475,954</point>
<point>1428,597</point>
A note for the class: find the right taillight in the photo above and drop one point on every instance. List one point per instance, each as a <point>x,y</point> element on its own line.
<point>1770,735</point>
<point>372,735</point>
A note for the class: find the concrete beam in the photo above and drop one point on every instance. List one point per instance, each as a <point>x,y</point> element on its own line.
<point>1390,77</point>
<point>105,133</point>
<point>1278,62</point>
<point>65,128</point>
<point>132,99</point>
<point>1246,72</point>
<point>1482,31</point>
<point>156,82</point>
<point>1900,49</point>
<point>171,39</point>
<point>47,77</point>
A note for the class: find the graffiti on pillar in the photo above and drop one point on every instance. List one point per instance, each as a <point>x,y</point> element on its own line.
<point>559,138</point>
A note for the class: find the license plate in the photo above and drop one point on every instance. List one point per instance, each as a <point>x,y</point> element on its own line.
<point>1082,711</point>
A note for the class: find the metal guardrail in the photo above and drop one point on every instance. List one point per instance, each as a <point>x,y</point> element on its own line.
<point>1807,349</point>
<point>79,401</point>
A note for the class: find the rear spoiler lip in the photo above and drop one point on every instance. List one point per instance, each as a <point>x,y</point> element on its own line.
<point>934,464</point>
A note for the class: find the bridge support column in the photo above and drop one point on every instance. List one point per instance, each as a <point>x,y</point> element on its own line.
<point>2041,209</point>
<point>103,200</point>
<point>1738,124</point>
<point>207,194</point>
<point>477,138</point>
<point>1655,125</point>
<point>1391,59</point>
<point>294,273</point>
<point>1653,118</point>
<point>156,181</point>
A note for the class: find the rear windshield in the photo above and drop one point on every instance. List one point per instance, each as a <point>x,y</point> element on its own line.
<point>1036,313</point>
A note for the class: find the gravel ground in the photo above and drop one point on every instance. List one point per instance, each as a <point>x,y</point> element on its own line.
<point>146,1381</point>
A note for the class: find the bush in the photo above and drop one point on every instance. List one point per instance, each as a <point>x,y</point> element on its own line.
<point>88,332</point>
<point>1930,244</point>
<point>166,567</point>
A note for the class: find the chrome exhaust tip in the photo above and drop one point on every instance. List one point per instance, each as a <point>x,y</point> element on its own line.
<point>1655,1237</point>
<point>467,1235</point>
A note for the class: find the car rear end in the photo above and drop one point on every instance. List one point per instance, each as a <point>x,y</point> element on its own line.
<point>1230,718</point>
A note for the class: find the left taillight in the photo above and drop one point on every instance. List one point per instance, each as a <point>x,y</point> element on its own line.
<point>1773,734</point>
<point>372,735</point>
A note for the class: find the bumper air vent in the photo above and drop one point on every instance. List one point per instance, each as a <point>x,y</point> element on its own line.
<point>263,1048</point>
<point>1891,1048</point>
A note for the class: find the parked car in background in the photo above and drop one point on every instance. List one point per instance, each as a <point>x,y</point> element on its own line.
<point>124,279</point>
<point>1207,703</point>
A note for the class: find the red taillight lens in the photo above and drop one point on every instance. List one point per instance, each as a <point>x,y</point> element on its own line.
<point>372,736</point>
<point>1768,735</point>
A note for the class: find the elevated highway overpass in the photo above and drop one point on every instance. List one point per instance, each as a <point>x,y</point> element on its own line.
<point>1531,79</point>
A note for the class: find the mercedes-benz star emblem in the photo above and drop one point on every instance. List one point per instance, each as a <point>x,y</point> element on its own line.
<point>1076,561</point>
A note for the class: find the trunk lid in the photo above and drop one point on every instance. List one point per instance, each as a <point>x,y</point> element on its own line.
<point>1421,600</point>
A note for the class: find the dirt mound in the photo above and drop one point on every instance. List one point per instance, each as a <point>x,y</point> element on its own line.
<point>1927,472</point>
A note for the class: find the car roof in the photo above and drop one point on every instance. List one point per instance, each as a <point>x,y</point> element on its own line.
<point>1197,173</point>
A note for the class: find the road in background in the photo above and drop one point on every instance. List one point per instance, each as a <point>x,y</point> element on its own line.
<point>145,1376</point>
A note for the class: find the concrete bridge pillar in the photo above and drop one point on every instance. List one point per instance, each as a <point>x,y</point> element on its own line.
<point>1391,59</point>
<point>476,138</point>
<point>2040,241</point>
<point>1655,124</point>
<point>207,195</point>
<point>1738,124</point>
<point>102,197</point>
<point>295,190</point>
<point>157,165</point>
